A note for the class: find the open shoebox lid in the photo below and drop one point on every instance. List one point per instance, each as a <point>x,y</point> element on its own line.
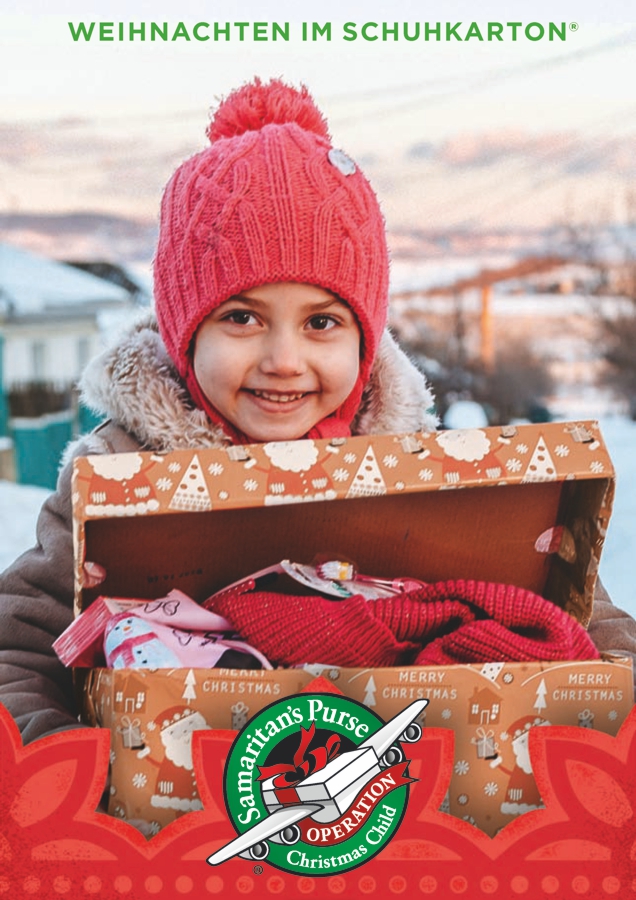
<point>526,505</point>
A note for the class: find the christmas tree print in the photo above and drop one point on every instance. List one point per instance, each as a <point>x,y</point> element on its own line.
<point>541,466</point>
<point>368,480</point>
<point>542,690</point>
<point>189,692</point>
<point>369,692</point>
<point>192,493</point>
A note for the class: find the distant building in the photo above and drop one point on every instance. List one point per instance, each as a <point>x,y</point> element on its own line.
<point>138,287</point>
<point>52,316</point>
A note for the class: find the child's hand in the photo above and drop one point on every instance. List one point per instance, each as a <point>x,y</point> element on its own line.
<point>94,574</point>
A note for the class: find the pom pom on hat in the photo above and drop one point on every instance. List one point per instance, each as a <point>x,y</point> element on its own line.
<point>269,200</point>
<point>256,105</point>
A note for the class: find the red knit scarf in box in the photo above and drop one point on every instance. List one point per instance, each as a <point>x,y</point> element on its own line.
<point>446,622</point>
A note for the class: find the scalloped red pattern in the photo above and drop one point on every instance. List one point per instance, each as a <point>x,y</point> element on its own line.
<point>583,844</point>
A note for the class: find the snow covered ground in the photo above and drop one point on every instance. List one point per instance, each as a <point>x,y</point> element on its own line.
<point>19,506</point>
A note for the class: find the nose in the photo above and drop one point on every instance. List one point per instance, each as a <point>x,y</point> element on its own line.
<point>283,354</point>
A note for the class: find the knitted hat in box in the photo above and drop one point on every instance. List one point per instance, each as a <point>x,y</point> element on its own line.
<point>270,200</point>
<point>448,622</point>
<point>478,621</point>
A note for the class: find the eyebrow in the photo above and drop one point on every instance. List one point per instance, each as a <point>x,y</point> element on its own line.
<point>256,302</point>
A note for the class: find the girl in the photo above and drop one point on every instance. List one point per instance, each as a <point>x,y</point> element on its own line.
<point>271,293</point>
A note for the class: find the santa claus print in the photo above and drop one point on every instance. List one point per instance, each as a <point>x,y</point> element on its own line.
<point>467,456</point>
<point>522,794</point>
<point>176,784</point>
<point>296,474</point>
<point>119,487</point>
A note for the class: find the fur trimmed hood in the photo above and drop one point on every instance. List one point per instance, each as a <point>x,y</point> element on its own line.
<point>136,384</point>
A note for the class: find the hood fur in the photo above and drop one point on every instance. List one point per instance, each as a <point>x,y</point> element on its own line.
<point>136,384</point>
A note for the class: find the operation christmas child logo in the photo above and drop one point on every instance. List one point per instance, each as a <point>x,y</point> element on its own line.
<point>317,783</point>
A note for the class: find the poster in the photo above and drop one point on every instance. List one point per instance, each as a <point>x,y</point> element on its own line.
<point>468,122</point>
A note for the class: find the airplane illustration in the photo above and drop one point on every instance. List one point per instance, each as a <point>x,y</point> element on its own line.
<point>328,793</point>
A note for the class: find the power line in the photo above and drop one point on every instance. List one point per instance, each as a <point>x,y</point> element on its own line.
<point>471,83</point>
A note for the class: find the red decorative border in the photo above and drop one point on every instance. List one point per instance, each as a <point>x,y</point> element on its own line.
<point>583,844</point>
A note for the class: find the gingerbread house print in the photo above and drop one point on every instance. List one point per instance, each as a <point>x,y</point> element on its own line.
<point>133,698</point>
<point>484,707</point>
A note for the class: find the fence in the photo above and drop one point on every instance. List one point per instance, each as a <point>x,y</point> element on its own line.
<point>43,419</point>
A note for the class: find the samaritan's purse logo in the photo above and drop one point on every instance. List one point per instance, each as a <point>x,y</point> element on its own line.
<point>317,783</point>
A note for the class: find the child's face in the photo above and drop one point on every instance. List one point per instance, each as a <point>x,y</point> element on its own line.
<point>277,359</point>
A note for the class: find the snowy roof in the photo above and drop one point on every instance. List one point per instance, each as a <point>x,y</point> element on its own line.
<point>31,284</point>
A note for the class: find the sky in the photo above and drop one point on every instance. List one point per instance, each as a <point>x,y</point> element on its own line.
<point>396,89</point>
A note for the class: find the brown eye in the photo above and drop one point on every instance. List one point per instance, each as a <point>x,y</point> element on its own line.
<point>321,323</point>
<point>239,317</point>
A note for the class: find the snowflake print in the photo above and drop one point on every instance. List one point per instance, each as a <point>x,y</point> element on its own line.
<point>513,465</point>
<point>562,450</point>
<point>349,458</point>
<point>504,736</point>
<point>446,713</point>
<point>462,767</point>
<point>597,466</point>
<point>521,448</point>
<point>223,495</point>
<point>151,725</point>
<point>341,475</point>
<point>216,468</point>
<point>120,813</point>
<point>612,715</point>
<point>164,484</point>
<point>390,461</point>
<point>462,799</point>
<point>491,789</point>
<point>112,756</point>
<point>154,828</point>
<point>174,467</point>
<point>425,474</point>
<point>470,819</point>
<point>277,487</point>
<point>399,485</point>
<point>139,780</point>
<point>250,484</point>
<point>508,678</point>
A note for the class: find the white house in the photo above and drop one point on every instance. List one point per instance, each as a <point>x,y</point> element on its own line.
<point>51,315</point>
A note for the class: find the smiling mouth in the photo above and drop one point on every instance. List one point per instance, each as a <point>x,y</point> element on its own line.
<point>276,397</point>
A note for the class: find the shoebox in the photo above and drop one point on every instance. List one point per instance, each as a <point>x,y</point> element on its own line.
<point>491,708</point>
<point>527,505</point>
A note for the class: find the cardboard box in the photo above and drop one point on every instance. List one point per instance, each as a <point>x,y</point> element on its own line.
<point>152,714</point>
<point>490,708</point>
<point>526,505</point>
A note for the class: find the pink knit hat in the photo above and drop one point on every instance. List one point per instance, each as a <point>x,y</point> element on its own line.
<point>271,200</point>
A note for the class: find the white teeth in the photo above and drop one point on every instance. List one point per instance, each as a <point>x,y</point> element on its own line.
<point>277,398</point>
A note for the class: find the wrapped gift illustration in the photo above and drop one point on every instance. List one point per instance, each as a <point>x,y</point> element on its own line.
<point>334,787</point>
<point>485,742</point>
<point>131,734</point>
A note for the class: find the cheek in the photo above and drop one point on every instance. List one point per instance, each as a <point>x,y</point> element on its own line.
<point>214,364</point>
<point>343,367</point>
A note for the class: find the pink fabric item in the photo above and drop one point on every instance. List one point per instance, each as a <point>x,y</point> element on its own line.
<point>442,623</point>
<point>269,201</point>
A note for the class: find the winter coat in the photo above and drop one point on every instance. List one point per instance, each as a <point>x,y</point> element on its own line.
<point>136,386</point>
